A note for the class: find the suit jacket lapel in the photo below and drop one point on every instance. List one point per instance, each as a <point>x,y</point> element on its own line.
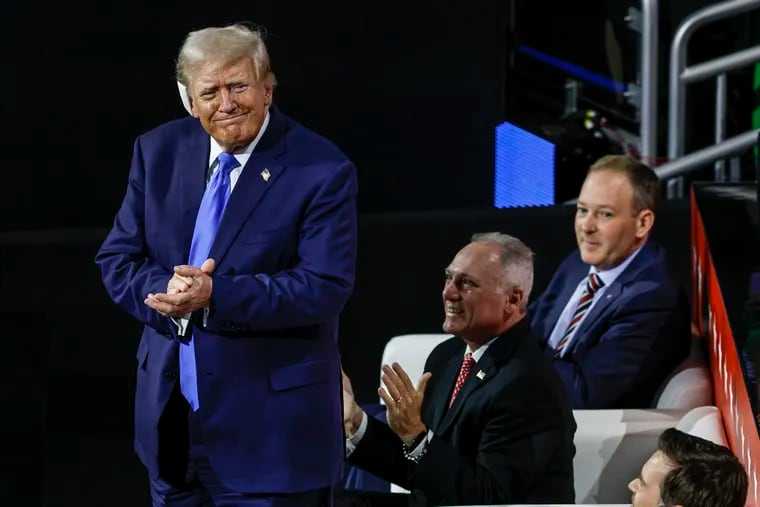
<point>574,277</point>
<point>610,295</point>
<point>480,375</point>
<point>440,401</point>
<point>259,174</point>
<point>191,166</point>
<point>484,371</point>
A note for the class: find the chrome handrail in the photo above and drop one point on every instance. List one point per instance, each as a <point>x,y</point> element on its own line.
<point>648,73</point>
<point>705,156</point>
<point>680,74</point>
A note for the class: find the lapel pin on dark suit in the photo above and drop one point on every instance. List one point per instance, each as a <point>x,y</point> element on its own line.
<point>265,174</point>
<point>481,374</point>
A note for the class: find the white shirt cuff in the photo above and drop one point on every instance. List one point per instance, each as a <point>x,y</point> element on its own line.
<point>417,451</point>
<point>181,323</point>
<point>352,442</point>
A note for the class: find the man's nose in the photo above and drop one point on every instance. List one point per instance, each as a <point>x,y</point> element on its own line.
<point>633,486</point>
<point>588,223</point>
<point>449,290</point>
<point>227,103</point>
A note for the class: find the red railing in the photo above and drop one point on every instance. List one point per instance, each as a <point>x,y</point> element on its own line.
<point>729,387</point>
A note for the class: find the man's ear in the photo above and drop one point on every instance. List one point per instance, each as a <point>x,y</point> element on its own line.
<point>268,84</point>
<point>644,223</point>
<point>185,98</point>
<point>268,94</point>
<point>515,298</point>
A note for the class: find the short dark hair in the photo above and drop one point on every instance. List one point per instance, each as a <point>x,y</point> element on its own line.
<point>705,474</point>
<point>645,183</point>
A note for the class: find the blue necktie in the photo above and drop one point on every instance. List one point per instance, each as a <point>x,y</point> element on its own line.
<point>206,223</point>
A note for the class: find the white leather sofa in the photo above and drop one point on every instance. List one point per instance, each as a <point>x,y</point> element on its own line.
<point>611,445</point>
<point>688,386</point>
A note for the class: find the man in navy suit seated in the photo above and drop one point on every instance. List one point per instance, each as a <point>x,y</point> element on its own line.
<point>613,318</point>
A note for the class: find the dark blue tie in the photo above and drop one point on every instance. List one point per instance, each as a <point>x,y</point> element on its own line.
<point>206,223</point>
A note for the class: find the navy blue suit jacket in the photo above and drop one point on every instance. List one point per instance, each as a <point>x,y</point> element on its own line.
<point>268,366</point>
<point>631,339</point>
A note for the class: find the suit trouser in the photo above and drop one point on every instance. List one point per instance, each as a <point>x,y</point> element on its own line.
<point>187,478</point>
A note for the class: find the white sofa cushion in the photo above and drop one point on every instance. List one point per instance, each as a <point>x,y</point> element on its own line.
<point>411,351</point>
<point>689,385</point>
<point>705,422</point>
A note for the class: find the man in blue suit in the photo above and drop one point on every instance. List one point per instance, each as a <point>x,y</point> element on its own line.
<point>235,246</point>
<point>613,318</point>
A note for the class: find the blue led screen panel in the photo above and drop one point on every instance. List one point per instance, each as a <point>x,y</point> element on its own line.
<point>524,173</point>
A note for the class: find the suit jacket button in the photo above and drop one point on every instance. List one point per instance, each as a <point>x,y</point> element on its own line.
<point>170,374</point>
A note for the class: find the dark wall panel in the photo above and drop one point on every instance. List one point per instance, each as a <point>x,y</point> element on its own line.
<point>410,93</point>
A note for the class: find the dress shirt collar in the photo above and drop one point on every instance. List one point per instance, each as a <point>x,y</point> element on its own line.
<point>478,353</point>
<point>608,276</point>
<point>242,155</point>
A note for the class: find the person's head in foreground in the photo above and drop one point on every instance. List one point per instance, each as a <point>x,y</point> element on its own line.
<point>688,471</point>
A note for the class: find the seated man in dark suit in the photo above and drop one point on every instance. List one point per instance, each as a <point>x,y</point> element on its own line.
<point>688,471</point>
<point>489,422</point>
<point>613,318</point>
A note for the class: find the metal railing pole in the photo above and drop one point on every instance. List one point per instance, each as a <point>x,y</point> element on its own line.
<point>649,45</point>
<point>719,173</point>
<point>706,156</point>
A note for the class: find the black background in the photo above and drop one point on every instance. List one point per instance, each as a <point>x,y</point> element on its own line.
<point>411,94</point>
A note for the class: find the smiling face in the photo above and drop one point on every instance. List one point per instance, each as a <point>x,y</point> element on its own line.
<point>646,487</point>
<point>230,103</point>
<point>476,306</point>
<point>607,228</point>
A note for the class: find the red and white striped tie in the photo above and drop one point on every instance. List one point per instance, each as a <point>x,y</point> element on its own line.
<point>593,284</point>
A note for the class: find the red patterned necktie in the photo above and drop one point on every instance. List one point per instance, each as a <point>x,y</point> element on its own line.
<point>467,365</point>
<point>593,284</point>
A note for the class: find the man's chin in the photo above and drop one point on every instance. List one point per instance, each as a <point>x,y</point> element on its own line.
<point>587,257</point>
<point>449,328</point>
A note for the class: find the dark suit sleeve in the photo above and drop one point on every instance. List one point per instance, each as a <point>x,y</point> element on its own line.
<point>129,273</point>
<point>643,331</point>
<point>521,437</point>
<point>380,453</point>
<point>321,281</point>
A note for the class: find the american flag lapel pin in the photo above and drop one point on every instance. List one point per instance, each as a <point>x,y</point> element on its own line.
<point>265,174</point>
